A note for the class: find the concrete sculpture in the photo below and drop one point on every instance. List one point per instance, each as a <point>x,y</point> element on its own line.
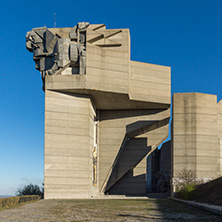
<point>103,112</point>
<point>53,53</point>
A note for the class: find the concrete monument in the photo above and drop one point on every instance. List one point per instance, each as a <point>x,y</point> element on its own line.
<point>104,113</point>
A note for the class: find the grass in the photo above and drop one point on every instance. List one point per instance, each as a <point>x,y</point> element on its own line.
<point>133,210</point>
<point>108,210</point>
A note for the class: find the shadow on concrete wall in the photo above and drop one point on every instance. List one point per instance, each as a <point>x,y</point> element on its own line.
<point>121,180</point>
<point>116,114</point>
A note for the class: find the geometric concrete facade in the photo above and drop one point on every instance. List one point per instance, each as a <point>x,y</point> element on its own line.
<point>196,135</point>
<point>103,112</point>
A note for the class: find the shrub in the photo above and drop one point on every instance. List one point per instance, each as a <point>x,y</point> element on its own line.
<point>186,185</point>
<point>184,178</point>
<point>30,189</point>
<point>187,193</point>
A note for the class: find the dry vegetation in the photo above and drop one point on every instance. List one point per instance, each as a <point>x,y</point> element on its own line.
<point>106,211</point>
<point>10,202</point>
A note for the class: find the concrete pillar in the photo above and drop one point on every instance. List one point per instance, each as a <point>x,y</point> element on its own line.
<point>195,135</point>
<point>69,134</point>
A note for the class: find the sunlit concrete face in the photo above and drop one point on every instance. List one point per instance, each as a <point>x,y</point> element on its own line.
<point>103,112</point>
<point>196,135</point>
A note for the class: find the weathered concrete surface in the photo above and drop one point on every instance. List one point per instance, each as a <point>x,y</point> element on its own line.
<point>219,128</point>
<point>69,129</point>
<point>196,135</point>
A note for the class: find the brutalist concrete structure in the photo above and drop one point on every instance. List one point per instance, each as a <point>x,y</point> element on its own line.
<point>104,113</point>
<point>196,136</point>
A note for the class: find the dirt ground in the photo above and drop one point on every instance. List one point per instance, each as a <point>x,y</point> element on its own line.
<point>106,210</point>
<point>210,192</point>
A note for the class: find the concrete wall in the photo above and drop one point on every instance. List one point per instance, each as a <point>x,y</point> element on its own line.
<point>132,183</point>
<point>195,135</point>
<point>149,82</point>
<point>107,59</point>
<point>219,124</point>
<point>108,67</point>
<point>113,127</point>
<point>68,145</point>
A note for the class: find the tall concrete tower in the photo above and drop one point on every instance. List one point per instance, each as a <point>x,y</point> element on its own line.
<point>196,136</point>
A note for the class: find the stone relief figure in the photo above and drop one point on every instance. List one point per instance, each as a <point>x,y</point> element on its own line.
<point>53,54</point>
<point>94,166</point>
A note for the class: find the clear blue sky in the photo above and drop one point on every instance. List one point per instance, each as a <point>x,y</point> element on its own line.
<point>183,34</point>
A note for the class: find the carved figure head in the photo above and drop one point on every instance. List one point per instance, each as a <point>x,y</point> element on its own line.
<point>53,54</point>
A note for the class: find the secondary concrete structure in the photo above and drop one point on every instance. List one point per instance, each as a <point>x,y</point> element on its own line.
<point>103,112</point>
<point>196,136</point>
<point>195,149</point>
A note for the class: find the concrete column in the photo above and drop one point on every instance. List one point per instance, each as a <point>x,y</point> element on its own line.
<point>195,135</point>
<point>69,130</point>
